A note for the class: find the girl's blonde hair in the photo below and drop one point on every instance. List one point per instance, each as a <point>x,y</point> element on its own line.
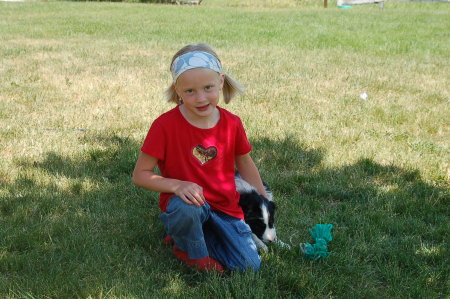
<point>231,87</point>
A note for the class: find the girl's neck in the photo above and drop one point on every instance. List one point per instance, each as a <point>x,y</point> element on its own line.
<point>201,122</point>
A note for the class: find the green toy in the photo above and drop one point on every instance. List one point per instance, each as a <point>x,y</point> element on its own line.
<point>321,234</point>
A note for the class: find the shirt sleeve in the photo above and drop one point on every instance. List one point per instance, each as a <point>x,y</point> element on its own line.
<point>154,143</point>
<point>243,146</point>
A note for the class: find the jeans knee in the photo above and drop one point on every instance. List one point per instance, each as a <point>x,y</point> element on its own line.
<point>182,212</point>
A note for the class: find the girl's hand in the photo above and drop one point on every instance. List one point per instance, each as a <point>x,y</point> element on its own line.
<point>190,193</point>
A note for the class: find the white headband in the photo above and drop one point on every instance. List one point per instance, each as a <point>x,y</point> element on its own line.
<point>192,60</point>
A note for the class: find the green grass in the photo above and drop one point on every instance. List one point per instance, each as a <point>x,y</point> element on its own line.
<point>81,83</point>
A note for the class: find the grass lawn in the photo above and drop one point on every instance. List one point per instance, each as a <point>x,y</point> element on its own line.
<point>81,83</point>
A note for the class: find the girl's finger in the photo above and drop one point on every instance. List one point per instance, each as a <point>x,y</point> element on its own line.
<point>193,200</point>
<point>186,200</point>
<point>195,197</point>
<point>199,198</point>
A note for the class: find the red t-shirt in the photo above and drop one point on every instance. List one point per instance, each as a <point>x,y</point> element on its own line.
<point>203,156</point>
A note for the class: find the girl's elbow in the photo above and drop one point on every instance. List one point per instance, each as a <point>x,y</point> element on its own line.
<point>135,180</point>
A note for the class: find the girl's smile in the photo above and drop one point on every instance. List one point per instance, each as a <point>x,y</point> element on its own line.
<point>203,108</point>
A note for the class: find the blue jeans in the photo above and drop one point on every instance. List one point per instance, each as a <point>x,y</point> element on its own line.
<point>203,232</point>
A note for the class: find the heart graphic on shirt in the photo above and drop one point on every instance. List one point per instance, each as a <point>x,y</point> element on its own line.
<point>204,154</point>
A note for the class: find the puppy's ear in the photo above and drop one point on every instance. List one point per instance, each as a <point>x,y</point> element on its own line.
<point>246,203</point>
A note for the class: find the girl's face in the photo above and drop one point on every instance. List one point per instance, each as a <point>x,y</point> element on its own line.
<point>199,89</point>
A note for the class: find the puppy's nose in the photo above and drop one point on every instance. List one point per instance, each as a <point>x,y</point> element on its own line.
<point>271,238</point>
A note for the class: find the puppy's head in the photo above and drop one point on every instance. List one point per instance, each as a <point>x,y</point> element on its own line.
<point>259,214</point>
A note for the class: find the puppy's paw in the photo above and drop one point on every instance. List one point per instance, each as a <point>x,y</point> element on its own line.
<point>262,247</point>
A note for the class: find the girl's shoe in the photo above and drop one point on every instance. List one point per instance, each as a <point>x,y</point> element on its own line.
<point>203,264</point>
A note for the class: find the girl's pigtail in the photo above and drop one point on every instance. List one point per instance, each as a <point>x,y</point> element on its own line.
<point>231,88</point>
<point>171,95</point>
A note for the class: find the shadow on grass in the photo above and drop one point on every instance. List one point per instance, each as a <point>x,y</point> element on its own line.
<point>76,226</point>
<point>389,224</point>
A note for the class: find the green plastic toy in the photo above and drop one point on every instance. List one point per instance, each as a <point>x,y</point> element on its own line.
<point>321,234</point>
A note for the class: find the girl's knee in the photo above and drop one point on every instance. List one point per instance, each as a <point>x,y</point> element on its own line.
<point>176,203</point>
<point>179,211</point>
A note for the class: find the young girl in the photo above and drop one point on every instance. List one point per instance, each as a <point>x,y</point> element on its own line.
<point>197,146</point>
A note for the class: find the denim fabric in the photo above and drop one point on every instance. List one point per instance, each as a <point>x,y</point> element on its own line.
<point>203,232</point>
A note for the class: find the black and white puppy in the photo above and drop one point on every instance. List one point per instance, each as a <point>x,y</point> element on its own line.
<point>258,211</point>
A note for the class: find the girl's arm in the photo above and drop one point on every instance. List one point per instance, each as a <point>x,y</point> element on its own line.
<point>249,172</point>
<point>145,177</point>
